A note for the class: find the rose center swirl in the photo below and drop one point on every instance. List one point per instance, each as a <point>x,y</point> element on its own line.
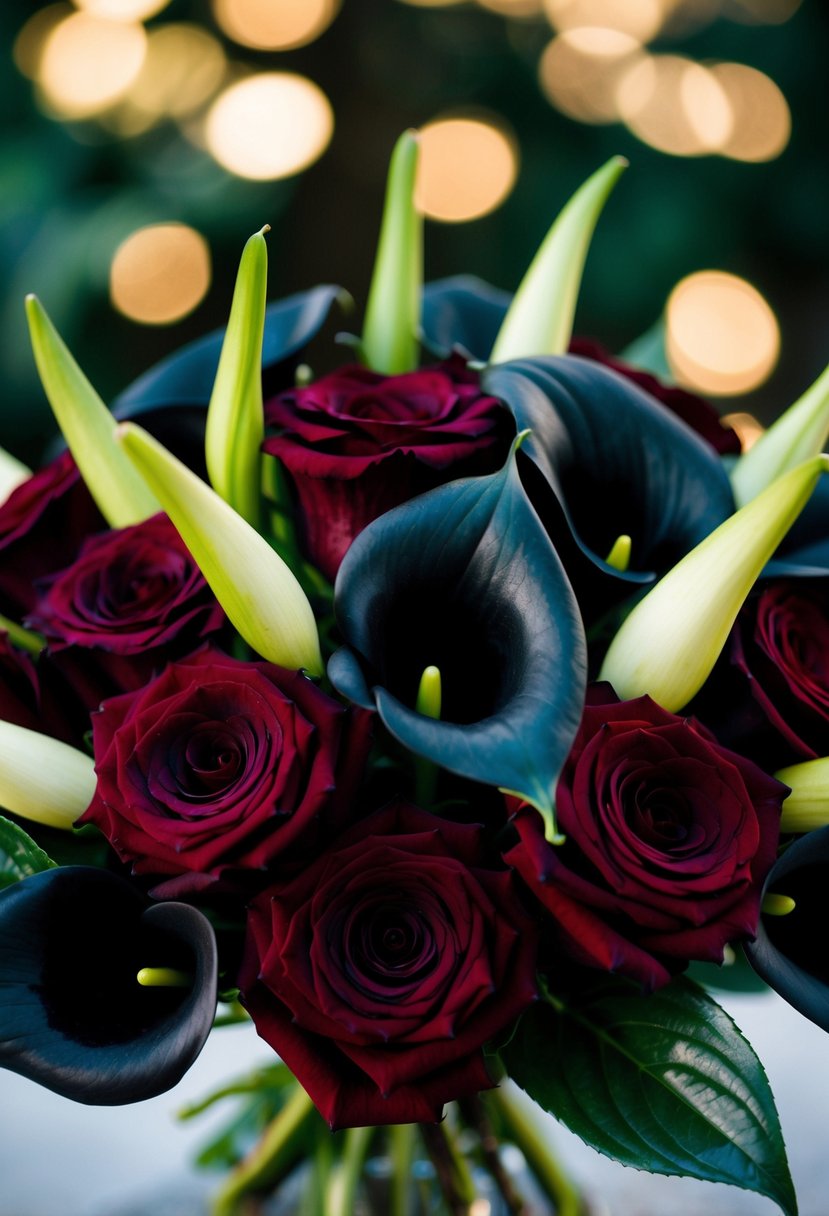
<point>389,944</point>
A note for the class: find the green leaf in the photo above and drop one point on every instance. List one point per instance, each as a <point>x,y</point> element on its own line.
<point>664,1082</point>
<point>19,855</point>
<point>235,420</point>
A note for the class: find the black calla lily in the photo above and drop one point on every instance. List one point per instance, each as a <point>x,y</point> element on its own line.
<point>462,313</point>
<point>465,578</point>
<point>805,551</point>
<point>789,952</point>
<point>608,460</point>
<point>73,1016</point>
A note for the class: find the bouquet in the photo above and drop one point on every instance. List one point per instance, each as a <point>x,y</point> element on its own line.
<point>437,714</point>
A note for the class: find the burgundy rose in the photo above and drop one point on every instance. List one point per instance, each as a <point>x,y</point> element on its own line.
<point>379,973</point>
<point>42,524</point>
<point>222,764</point>
<point>357,443</point>
<point>132,600</point>
<point>669,838</point>
<point>769,696</point>
<point>697,413</point>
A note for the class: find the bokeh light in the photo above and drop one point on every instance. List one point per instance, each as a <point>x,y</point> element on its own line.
<point>580,70</point>
<point>183,68</point>
<point>675,105</point>
<point>467,167</point>
<point>722,337</point>
<point>88,63</point>
<point>762,120</point>
<point>29,43</point>
<point>160,273</point>
<point>746,426</point>
<point>641,19</point>
<point>762,12</point>
<point>269,125</point>
<point>274,24</point>
<point>122,10</point>
<point>513,8</point>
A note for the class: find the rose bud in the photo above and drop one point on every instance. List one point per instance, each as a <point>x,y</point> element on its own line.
<point>221,764</point>
<point>668,840</point>
<point>380,972</point>
<point>74,1015</point>
<point>769,695</point>
<point>42,525</point>
<point>132,600</point>
<point>357,443</point>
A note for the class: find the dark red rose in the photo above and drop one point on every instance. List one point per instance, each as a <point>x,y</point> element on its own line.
<point>221,764</point>
<point>132,600</point>
<point>769,696</point>
<point>379,973</point>
<point>357,443</point>
<point>42,524</point>
<point>669,840</point>
<point>19,694</point>
<point>699,414</point>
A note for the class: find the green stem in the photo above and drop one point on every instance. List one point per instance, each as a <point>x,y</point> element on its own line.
<point>525,1132</point>
<point>476,1116</point>
<point>317,1182</point>
<point>401,1151</point>
<point>25,639</point>
<point>282,1144</point>
<point>342,1188</point>
<point>451,1168</point>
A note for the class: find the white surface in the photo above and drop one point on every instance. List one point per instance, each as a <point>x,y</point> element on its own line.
<point>61,1159</point>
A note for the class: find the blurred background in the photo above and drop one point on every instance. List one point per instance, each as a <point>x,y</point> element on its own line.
<point>146,139</point>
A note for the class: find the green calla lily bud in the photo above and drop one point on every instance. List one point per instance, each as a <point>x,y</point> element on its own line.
<point>258,592</point>
<point>671,640</point>
<point>43,779</point>
<point>12,473</point>
<point>539,320</point>
<point>807,806</point>
<point>235,417</point>
<point>390,333</point>
<point>120,493</point>
<point>797,435</point>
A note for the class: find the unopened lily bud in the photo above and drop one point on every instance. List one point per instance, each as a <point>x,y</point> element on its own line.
<point>43,779</point>
<point>669,644</point>
<point>539,320</point>
<point>260,595</point>
<point>807,806</point>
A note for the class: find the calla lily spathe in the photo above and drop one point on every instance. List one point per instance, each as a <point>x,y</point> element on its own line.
<point>43,779</point>
<point>73,1016</point>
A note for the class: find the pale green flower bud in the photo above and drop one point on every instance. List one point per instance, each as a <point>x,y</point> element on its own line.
<point>43,779</point>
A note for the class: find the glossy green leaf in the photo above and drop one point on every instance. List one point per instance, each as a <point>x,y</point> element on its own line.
<point>235,417</point>
<point>87,426</point>
<point>19,855</point>
<point>664,1082</point>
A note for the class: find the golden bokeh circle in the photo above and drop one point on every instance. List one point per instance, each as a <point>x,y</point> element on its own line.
<point>466,168</point>
<point>160,273</point>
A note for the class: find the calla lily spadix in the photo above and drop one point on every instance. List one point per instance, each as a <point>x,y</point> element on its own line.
<point>807,806</point>
<point>539,320</point>
<point>120,493</point>
<point>797,435</point>
<point>73,1016</point>
<point>235,417</point>
<point>390,332</point>
<point>668,645</point>
<point>43,779</point>
<point>465,579</point>
<point>258,592</point>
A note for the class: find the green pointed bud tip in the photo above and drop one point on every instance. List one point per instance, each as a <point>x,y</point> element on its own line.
<point>164,977</point>
<point>429,693</point>
<point>539,321</point>
<point>777,905</point>
<point>619,555</point>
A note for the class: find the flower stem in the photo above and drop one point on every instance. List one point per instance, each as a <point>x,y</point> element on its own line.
<point>342,1187</point>
<point>451,1168</point>
<point>24,639</point>
<point>281,1146</point>
<point>401,1150</point>
<point>525,1132</point>
<point>477,1117</point>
